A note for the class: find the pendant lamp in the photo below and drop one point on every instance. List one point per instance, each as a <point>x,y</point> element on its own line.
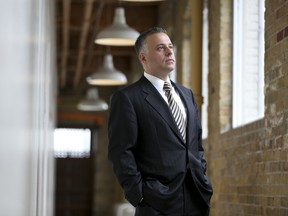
<point>119,33</point>
<point>107,75</point>
<point>92,102</point>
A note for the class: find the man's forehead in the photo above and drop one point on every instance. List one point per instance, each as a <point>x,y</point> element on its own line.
<point>159,38</point>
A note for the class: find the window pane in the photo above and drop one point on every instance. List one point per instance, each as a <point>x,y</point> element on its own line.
<point>248,61</point>
<point>72,142</point>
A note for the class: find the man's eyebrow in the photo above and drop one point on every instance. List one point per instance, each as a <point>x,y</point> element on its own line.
<point>163,44</point>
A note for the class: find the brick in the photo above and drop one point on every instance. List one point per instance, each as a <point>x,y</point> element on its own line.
<point>286,32</point>
<point>280,35</point>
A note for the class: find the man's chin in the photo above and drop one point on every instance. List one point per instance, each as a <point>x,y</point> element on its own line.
<point>172,68</point>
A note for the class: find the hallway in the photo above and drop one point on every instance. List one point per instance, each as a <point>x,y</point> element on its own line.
<point>232,53</point>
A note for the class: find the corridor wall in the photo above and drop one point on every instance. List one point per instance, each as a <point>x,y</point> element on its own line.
<point>27,107</point>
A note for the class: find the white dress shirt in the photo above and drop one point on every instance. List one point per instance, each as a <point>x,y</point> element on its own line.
<point>158,84</point>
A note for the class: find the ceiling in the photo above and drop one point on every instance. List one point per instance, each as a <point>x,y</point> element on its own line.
<point>78,22</point>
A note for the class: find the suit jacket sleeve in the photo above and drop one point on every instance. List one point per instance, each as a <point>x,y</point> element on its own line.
<point>122,132</point>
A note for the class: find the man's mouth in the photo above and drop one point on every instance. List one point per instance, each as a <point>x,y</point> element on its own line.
<point>169,61</point>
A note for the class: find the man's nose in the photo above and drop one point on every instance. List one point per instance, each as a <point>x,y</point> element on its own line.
<point>169,51</point>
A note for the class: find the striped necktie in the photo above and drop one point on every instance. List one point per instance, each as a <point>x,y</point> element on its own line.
<point>175,109</point>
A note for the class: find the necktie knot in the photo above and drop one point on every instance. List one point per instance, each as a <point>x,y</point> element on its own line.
<point>166,87</point>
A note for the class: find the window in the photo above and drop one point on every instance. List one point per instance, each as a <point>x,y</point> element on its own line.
<point>74,143</point>
<point>248,61</point>
<point>205,55</point>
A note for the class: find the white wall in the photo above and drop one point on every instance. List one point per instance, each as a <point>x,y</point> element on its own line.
<point>27,107</point>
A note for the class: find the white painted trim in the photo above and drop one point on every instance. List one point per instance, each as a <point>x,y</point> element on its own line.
<point>237,63</point>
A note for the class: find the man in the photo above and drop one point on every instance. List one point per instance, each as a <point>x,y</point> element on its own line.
<point>157,158</point>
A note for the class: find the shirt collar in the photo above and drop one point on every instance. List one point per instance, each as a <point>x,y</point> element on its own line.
<point>156,82</point>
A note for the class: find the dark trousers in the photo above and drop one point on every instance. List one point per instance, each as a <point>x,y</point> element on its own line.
<point>188,203</point>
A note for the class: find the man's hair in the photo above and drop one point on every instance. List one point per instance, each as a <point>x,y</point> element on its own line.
<point>142,37</point>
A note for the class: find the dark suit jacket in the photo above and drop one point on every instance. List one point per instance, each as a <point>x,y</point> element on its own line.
<point>149,156</point>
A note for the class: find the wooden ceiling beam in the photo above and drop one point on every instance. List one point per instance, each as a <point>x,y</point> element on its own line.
<point>65,41</point>
<point>83,40</point>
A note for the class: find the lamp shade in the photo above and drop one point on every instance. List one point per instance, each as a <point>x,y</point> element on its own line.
<point>92,102</point>
<point>119,33</point>
<point>107,75</point>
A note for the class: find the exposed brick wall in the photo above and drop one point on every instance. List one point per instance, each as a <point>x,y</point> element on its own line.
<point>107,191</point>
<point>214,68</point>
<point>248,166</point>
<point>225,64</point>
<point>106,187</point>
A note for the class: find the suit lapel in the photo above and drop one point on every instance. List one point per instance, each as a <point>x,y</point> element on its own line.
<point>153,97</point>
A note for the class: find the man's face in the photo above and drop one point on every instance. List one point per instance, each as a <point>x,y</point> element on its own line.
<point>158,56</point>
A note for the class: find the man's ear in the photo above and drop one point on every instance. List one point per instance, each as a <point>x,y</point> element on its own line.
<point>142,58</point>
